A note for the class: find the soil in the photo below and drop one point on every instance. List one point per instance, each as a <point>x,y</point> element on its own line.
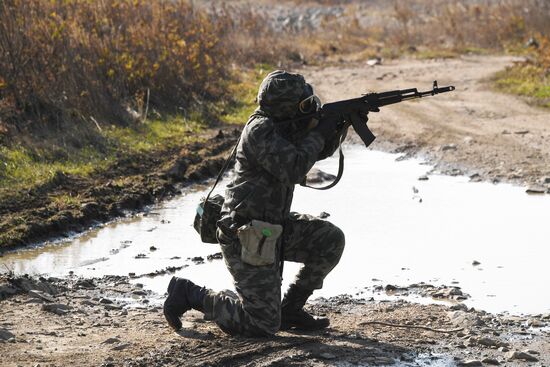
<point>112,322</point>
<point>30,216</point>
<point>473,130</point>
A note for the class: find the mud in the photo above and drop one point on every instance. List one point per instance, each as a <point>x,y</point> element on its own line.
<point>109,321</point>
<point>129,185</point>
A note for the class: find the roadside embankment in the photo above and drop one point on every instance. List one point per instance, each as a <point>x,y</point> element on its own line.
<point>72,203</point>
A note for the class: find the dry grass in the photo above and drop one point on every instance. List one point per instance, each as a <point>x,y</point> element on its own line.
<point>78,77</point>
<point>77,60</point>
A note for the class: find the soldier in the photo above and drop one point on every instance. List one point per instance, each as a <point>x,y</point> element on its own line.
<point>258,232</point>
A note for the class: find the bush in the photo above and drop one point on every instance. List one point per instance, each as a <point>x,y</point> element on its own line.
<point>70,60</point>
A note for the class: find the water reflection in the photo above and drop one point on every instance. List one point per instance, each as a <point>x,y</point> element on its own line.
<point>398,229</point>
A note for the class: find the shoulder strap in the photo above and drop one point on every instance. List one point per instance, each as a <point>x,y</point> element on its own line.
<point>340,166</point>
<point>224,168</point>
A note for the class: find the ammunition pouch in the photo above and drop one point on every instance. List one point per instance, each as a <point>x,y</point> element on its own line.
<point>259,242</point>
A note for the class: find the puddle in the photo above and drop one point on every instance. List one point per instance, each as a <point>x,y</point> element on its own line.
<point>398,229</point>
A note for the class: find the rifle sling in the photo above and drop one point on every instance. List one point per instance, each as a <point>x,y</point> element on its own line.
<point>340,166</point>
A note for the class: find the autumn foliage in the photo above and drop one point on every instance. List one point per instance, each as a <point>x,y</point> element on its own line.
<point>105,60</point>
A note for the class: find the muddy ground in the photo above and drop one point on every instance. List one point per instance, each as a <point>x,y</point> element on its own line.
<point>111,322</point>
<point>30,216</point>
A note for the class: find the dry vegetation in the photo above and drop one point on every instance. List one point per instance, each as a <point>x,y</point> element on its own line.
<point>81,82</point>
<point>86,60</point>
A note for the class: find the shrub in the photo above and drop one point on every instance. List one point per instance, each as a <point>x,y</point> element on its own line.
<point>71,60</point>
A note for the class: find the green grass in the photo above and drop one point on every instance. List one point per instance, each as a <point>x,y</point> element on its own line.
<point>156,135</point>
<point>244,93</point>
<point>525,80</point>
<point>23,166</point>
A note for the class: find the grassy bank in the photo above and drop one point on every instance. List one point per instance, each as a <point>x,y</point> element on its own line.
<point>531,78</point>
<point>26,166</point>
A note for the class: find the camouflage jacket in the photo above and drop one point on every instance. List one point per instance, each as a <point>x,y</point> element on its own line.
<point>268,165</point>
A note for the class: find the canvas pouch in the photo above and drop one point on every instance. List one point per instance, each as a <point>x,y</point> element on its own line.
<point>259,242</point>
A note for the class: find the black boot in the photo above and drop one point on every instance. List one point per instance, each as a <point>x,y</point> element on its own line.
<point>183,295</point>
<point>293,314</point>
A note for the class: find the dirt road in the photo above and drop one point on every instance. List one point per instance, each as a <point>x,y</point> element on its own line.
<point>474,130</point>
<point>110,322</point>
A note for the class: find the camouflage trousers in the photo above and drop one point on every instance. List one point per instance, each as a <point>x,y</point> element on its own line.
<point>256,311</point>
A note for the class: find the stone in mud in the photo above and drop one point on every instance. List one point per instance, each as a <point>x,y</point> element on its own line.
<point>85,283</point>
<point>535,323</point>
<point>522,356</point>
<point>327,355</point>
<point>458,307</point>
<point>470,363</point>
<point>454,172</point>
<point>475,177</point>
<point>393,288</point>
<point>374,61</point>
<point>316,176</point>
<point>476,263</point>
<point>56,308</point>
<point>534,190</point>
<point>112,307</point>
<point>489,342</point>
<point>121,346</point>
<point>491,361</point>
<point>6,334</point>
<point>41,295</point>
<point>216,256</point>
<point>448,147</point>
<point>197,259</point>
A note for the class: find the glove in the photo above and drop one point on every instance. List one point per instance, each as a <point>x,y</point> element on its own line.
<point>327,127</point>
<point>359,117</point>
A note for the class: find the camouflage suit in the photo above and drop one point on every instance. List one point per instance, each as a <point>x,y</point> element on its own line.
<point>269,162</point>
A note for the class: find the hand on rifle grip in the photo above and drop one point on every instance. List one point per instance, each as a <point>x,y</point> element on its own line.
<point>360,117</point>
<point>327,127</point>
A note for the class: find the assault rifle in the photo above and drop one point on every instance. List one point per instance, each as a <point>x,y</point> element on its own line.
<point>347,111</point>
<point>371,102</point>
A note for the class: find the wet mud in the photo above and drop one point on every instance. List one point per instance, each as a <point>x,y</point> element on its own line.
<point>131,184</point>
<point>110,321</point>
